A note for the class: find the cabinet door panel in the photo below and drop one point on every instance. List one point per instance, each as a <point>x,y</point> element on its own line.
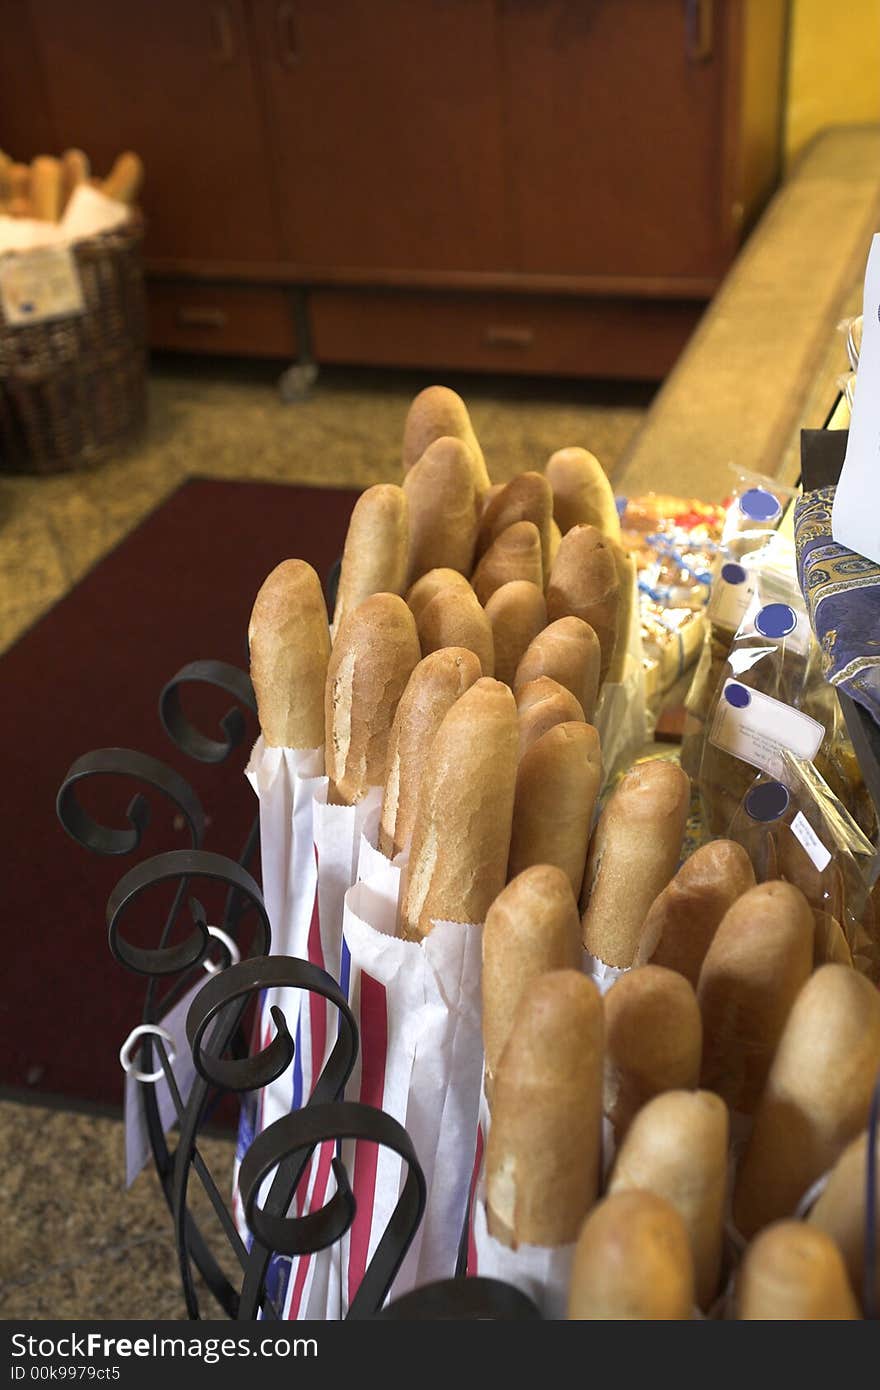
<point>616,136</point>
<point>174,80</point>
<point>388,132</point>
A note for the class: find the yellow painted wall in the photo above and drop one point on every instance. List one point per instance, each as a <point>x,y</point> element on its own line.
<point>834,67</point>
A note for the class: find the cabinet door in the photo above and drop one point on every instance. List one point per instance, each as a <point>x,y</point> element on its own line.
<point>616,116</point>
<point>173,80</point>
<point>388,132</point>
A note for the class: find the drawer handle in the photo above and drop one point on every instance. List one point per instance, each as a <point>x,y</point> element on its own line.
<point>202,318</point>
<point>509,337</point>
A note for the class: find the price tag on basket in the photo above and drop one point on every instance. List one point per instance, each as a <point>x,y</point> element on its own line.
<point>40,284</point>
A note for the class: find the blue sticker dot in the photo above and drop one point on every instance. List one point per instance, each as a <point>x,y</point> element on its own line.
<point>775,620</point>
<point>767,802</point>
<point>733,574</point>
<point>759,505</point>
<point>737,695</point>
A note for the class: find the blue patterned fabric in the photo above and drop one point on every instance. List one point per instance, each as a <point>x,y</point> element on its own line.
<point>842,593</point>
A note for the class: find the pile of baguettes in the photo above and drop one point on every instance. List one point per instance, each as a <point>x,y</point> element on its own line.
<point>43,188</point>
<point>467,702</point>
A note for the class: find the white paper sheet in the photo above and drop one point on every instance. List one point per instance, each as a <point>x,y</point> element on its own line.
<point>855,516</point>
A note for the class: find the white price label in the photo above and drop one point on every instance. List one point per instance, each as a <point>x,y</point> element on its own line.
<point>732,589</point>
<point>754,727</point>
<point>39,285</point>
<point>807,836</point>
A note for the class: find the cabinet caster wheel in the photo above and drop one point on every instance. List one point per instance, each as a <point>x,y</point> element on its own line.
<point>295,384</point>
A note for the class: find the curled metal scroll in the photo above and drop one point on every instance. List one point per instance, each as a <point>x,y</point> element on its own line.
<point>183,733</point>
<point>125,762</point>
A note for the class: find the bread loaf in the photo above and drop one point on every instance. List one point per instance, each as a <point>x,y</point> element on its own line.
<point>582,494</point>
<point>540,706</point>
<point>5,181</point>
<point>633,1262</point>
<point>633,855</point>
<point>375,555</point>
<point>461,837</point>
<point>442,510</point>
<point>432,690</point>
<point>517,613</point>
<point>125,178</point>
<point>557,784</point>
<point>430,584</point>
<point>289,650</point>
<point>793,1272</point>
<point>584,584</point>
<point>20,205</point>
<point>568,652</point>
<point>817,1097</point>
<point>759,959</point>
<point>684,917</point>
<point>516,554</point>
<point>653,1041</point>
<point>543,1154</point>
<point>626,588</point>
<point>75,169</point>
<point>375,653</point>
<point>527,497</point>
<point>676,1147</point>
<point>437,412</point>
<point>454,618</point>
<point>841,1211</point>
<point>46,188</point>
<point>531,928</point>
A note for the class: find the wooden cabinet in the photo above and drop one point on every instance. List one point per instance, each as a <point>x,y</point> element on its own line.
<point>511,184</point>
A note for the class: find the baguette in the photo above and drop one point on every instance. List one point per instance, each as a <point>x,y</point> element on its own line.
<point>432,690</point>
<point>760,958</point>
<point>676,1148</point>
<point>289,644</point>
<point>517,613</point>
<point>461,836</point>
<point>841,1211</point>
<point>125,179</point>
<point>527,497</point>
<point>375,653</point>
<point>582,493</point>
<point>5,181</point>
<point>375,554</point>
<point>627,592</point>
<point>454,618</point>
<point>684,917</point>
<point>75,169</point>
<point>424,589</point>
<point>654,1038</point>
<point>540,706</point>
<point>793,1272</point>
<point>584,584</point>
<point>442,510</point>
<point>633,855</point>
<point>19,176</point>
<point>46,188</point>
<point>557,784</point>
<point>632,1262</point>
<point>568,652</point>
<point>531,928</point>
<point>817,1097</point>
<point>435,413</point>
<point>543,1152</point>
<point>516,554</point>
<point>553,544</point>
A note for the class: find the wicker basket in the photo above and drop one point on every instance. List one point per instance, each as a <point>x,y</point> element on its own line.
<point>73,390</point>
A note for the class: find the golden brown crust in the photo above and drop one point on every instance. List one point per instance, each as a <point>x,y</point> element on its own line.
<point>517,613</point>
<point>841,1209</point>
<point>437,412</point>
<point>419,595</point>
<point>442,505</point>
<point>557,784</point>
<point>528,497</point>
<point>684,917</point>
<point>627,599</point>
<point>540,706</point>
<point>632,1262</point>
<point>516,554</point>
<point>582,493</point>
<point>793,1272</point>
<point>289,650</point>
<point>454,618</point>
<point>654,1038</point>
<point>46,188</point>
<point>568,652</point>
<point>584,584</point>
<point>125,178</point>
<point>375,553</point>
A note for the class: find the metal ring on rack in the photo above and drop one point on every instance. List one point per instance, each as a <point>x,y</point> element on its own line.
<point>179,864</point>
<point>231,949</point>
<point>125,762</point>
<point>474,1299</point>
<point>126,1061</point>
<point>187,737</point>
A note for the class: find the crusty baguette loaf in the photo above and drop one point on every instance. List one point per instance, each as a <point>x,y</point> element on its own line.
<point>20,204</point>
<point>442,510</point>
<point>627,600</point>
<point>632,1262</point>
<point>375,653</point>
<point>653,1041</point>
<point>125,179</point>
<point>289,643</point>
<point>676,1147</point>
<point>517,613</point>
<point>75,169</point>
<point>633,854</point>
<point>435,413</point>
<point>432,690</point>
<point>543,1154</point>
<point>46,188</point>
<point>454,618</point>
<point>568,652</point>
<point>461,837</point>
<point>515,554</point>
<point>817,1096</point>
<point>528,497</point>
<point>420,594</point>
<point>582,493</point>
<point>375,554</point>
<point>759,959</point>
<point>793,1272</point>
<point>540,706</point>
<point>553,544</point>
<point>841,1211</point>
<point>557,784</point>
<point>532,927</point>
<point>684,917</point>
<point>584,584</point>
